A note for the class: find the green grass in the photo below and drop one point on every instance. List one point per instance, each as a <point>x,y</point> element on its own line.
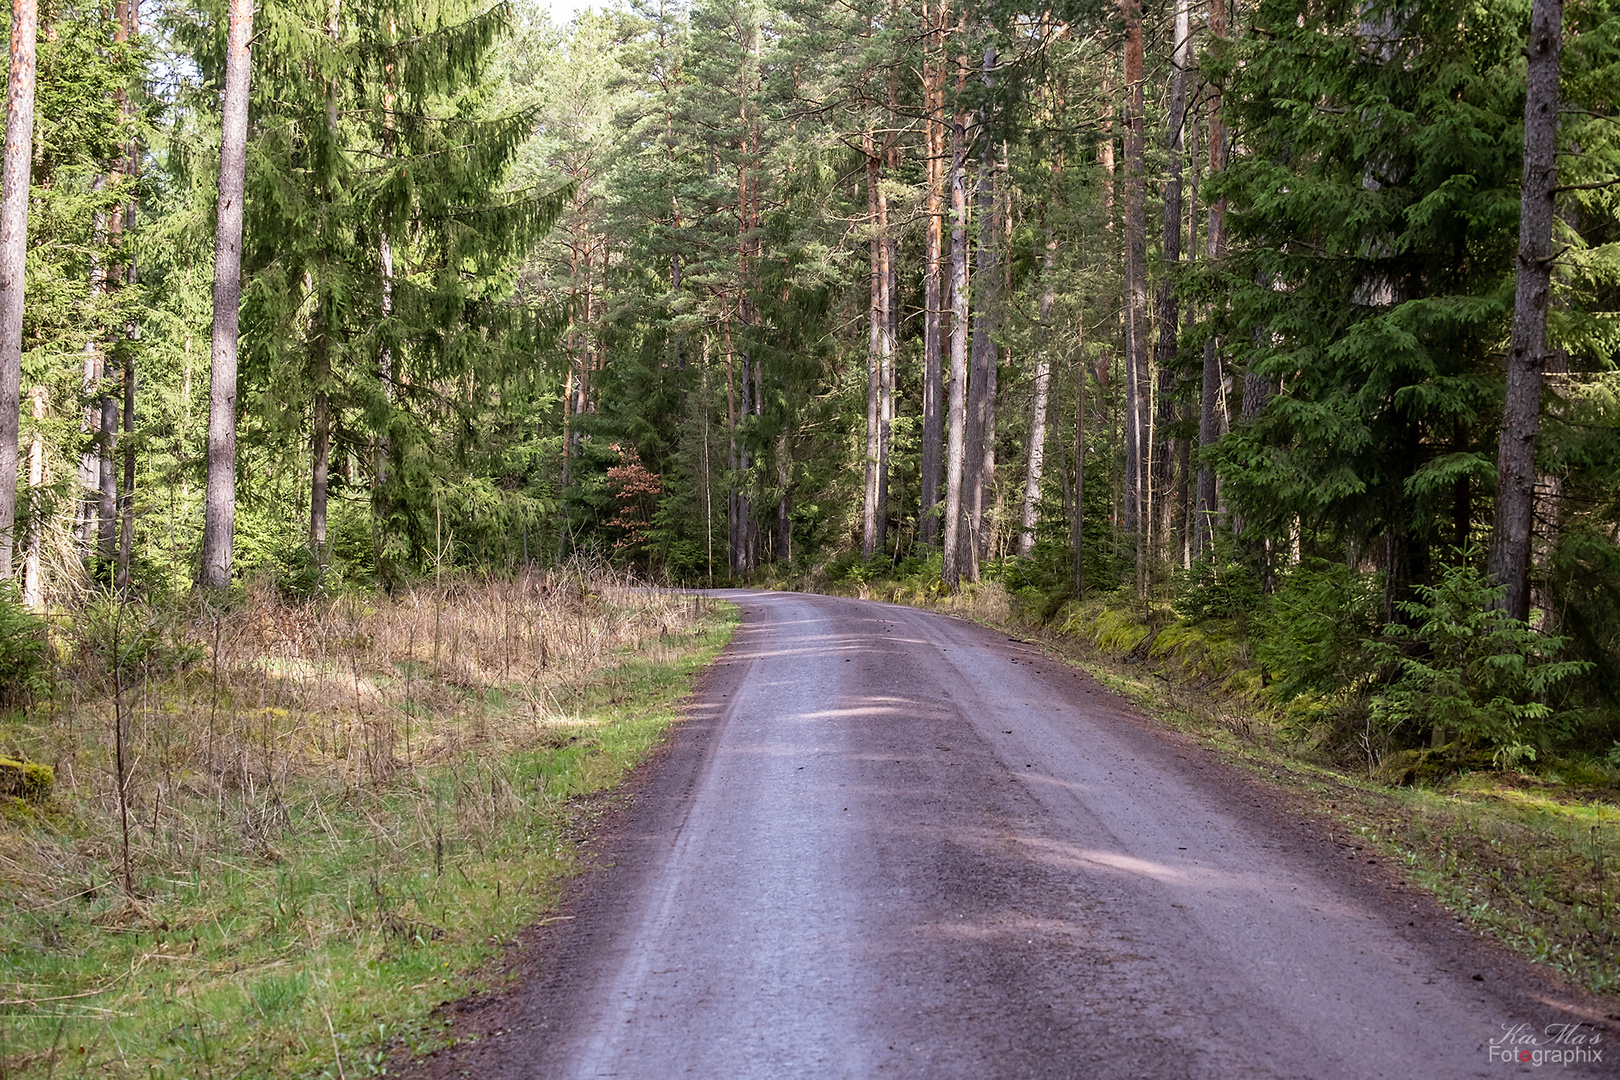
<point>343,909</point>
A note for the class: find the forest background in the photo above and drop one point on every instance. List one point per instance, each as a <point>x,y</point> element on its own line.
<point>1219,311</point>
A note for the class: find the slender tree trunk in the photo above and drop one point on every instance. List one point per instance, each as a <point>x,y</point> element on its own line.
<point>107,503</point>
<point>321,448</point>
<point>14,181</point>
<point>385,260</point>
<point>219,513</point>
<point>784,521</point>
<point>875,333</point>
<point>1037,412</point>
<point>886,343</point>
<point>385,358</point>
<point>981,385</point>
<point>90,425</point>
<point>956,443</point>
<point>1138,516</point>
<point>1513,530</point>
<point>326,329</point>
<point>127,26</point>
<point>933,416</point>
<point>33,584</point>
<point>1077,520</point>
<point>1169,405</point>
<point>733,496</point>
<point>126,501</point>
<point>1209,419</point>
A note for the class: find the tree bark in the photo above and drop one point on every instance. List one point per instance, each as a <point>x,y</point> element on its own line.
<point>886,344</point>
<point>1137,511</point>
<point>219,512</point>
<point>955,443</point>
<point>1209,397</point>
<point>875,333</point>
<point>1037,411</point>
<point>933,417</point>
<point>14,181</point>
<point>981,378</point>
<point>1077,520</point>
<point>33,584</point>
<point>1514,526</point>
<point>128,26</point>
<point>1169,406</point>
<point>320,447</point>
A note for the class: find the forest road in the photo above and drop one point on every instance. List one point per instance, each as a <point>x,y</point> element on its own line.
<point>892,843</point>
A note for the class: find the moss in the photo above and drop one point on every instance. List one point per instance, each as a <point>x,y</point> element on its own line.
<point>26,780</point>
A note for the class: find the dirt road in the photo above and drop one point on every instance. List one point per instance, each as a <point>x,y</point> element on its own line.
<point>889,843</point>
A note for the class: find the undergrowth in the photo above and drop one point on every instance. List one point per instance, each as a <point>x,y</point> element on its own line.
<point>338,812</point>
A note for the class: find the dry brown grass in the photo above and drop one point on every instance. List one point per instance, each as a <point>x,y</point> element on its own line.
<point>229,706</point>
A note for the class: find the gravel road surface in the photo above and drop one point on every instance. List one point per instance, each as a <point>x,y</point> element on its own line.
<point>890,843</point>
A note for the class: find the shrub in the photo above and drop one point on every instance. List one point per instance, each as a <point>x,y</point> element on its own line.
<point>24,672</point>
<point>1463,665</point>
<point>1217,589</point>
<point>1316,630</point>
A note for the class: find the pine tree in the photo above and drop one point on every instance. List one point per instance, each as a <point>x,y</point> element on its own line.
<point>13,254</point>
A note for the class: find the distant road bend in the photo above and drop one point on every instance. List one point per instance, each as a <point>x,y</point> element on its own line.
<point>891,843</point>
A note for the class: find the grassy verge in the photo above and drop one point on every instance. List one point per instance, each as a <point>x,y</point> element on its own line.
<point>339,814</point>
<point>1532,858</point>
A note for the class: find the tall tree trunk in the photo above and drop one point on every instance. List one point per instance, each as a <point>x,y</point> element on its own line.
<point>886,344</point>
<point>933,416</point>
<point>1209,396</point>
<point>784,520</point>
<point>385,262</point>
<point>84,523</point>
<point>219,512</point>
<point>14,181</point>
<point>321,448</point>
<point>107,502</point>
<point>981,384</point>
<point>732,494</point>
<point>1137,511</point>
<point>126,501</point>
<point>1077,520</point>
<point>1037,411</point>
<point>1513,529</point>
<point>324,324</point>
<point>876,332</point>
<point>955,448</point>
<point>1169,406</point>
<point>128,26</point>
<point>33,584</point>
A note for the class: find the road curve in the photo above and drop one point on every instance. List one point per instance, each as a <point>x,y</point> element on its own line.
<point>891,843</point>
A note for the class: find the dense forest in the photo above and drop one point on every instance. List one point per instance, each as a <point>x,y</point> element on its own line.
<point>1300,314</point>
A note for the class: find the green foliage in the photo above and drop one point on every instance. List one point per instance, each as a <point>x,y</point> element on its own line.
<point>1317,630</point>
<point>1228,589</point>
<point>24,667</point>
<point>1463,665</point>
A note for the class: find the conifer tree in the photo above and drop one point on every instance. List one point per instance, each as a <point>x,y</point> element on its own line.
<point>219,526</point>
<point>14,184</point>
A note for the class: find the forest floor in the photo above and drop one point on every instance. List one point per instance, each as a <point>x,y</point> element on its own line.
<point>1531,858</point>
<point>336,816</point>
